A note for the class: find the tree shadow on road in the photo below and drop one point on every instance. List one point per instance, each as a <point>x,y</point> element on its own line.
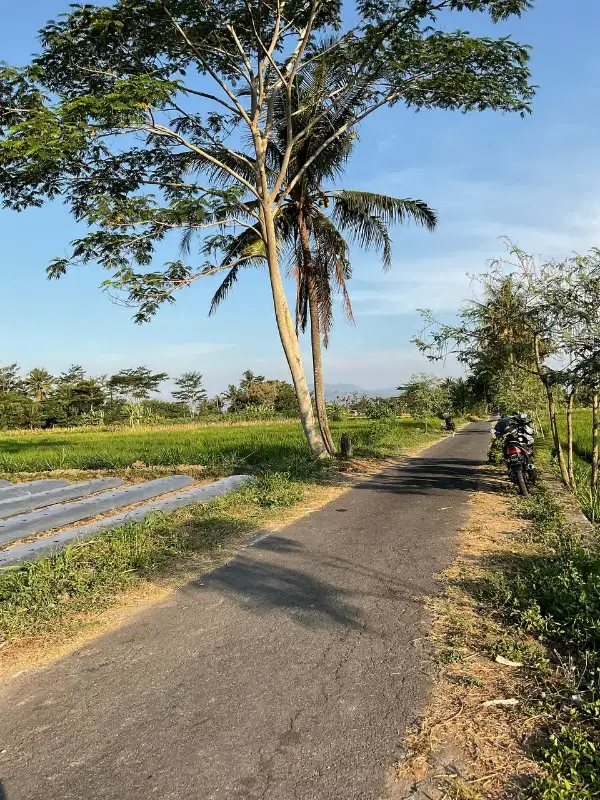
<point>311,596</point>
<point>263,586</point>
<point>427,476</point>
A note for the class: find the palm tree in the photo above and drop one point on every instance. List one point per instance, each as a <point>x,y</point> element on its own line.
<point>314,239</point>
<point>39,383</point>
<point>316,225</point>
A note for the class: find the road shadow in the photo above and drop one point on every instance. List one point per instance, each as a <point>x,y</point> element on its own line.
<point>424,476</point>
<point>261,586</point>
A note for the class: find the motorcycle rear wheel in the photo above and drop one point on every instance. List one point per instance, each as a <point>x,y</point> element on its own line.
<point>521,482</point>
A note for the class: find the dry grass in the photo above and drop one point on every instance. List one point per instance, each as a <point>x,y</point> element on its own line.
<point>463,748</point>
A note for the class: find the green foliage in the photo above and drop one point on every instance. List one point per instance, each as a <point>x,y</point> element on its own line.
<point>496,453</point>
<point>426,396</point>
<point>15,410</point>
<point>107,72</point>
<point>572,763</point>
<point>39,383</point>
<point>257,394</point>
<point>10,380</point>
<point>520,392</point>
<point>135,384</point>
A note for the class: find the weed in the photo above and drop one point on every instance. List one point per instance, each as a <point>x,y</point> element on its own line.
<point>554,595</point>
<point>572,763</point>
<point>450,657</point>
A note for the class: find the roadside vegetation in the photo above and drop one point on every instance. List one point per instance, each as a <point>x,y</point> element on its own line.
<point>553,595</point>
<point>530,341</point>
<point>516,707</point>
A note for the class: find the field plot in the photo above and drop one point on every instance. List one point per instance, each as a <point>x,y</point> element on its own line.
<point>220,449</point>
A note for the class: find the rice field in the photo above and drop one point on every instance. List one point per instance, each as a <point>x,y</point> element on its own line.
<point>220,449</point>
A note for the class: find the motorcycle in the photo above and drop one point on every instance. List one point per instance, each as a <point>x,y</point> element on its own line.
<point>517,450</point>
<point>449,425</point>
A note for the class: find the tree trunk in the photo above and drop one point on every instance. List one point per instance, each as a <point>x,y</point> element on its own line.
<point>315,337</point>
<point>288,337</point>
<point>564,472</point>
<point>595,450</point>
<point>570,467</point>
<point>560,456</point>
<point>315,341</point>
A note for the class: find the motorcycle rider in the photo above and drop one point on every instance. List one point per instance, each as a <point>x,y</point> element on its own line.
<point>450,424</point>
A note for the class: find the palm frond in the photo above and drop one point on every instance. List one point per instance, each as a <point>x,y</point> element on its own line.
<point>221,294</point>
<point>248,246</point>
<point>391,210</point>
<point>365,217</point>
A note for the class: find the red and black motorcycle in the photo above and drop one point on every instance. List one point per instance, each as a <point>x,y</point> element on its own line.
<point>518,438</point>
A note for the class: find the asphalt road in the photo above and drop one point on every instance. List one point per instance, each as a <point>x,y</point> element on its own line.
<point>289,674</point>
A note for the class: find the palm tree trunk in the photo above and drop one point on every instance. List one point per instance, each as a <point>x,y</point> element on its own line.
<point>570,467</point>
<point>595,447</point>
<point>315,337</point>
<point>288,337</point>
<point>315,341</point>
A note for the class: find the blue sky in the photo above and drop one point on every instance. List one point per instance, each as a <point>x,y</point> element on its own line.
<point>534,180</point>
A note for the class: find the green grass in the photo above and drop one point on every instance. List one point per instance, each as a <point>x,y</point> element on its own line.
<point>222,450</point>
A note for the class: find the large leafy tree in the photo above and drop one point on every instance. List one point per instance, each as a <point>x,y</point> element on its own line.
<point>75,374</point>
<point>135,384</point>
<point>125,99</point>
<point>10,380</point>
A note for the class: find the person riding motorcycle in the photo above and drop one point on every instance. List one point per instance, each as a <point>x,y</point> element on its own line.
<point>449,423</point>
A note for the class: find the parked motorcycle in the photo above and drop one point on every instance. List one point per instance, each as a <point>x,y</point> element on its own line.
<point>518,437</point>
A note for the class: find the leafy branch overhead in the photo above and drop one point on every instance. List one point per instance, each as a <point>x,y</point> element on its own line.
<point>132,111</point>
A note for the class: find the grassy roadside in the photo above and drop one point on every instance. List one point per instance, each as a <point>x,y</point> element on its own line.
<point>55,598</point>
<point>515,711</point>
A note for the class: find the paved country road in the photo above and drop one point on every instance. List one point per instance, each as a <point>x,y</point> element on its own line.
<point>289,674</point>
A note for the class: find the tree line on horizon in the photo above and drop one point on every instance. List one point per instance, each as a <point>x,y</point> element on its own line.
<point>40,399</point>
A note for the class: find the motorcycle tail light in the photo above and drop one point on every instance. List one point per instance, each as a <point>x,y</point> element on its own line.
<point>512,451</point>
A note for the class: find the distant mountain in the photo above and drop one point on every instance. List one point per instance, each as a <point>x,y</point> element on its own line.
<point>333,390</point>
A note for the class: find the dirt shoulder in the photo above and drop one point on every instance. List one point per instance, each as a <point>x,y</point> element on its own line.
<point>471,742</point>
